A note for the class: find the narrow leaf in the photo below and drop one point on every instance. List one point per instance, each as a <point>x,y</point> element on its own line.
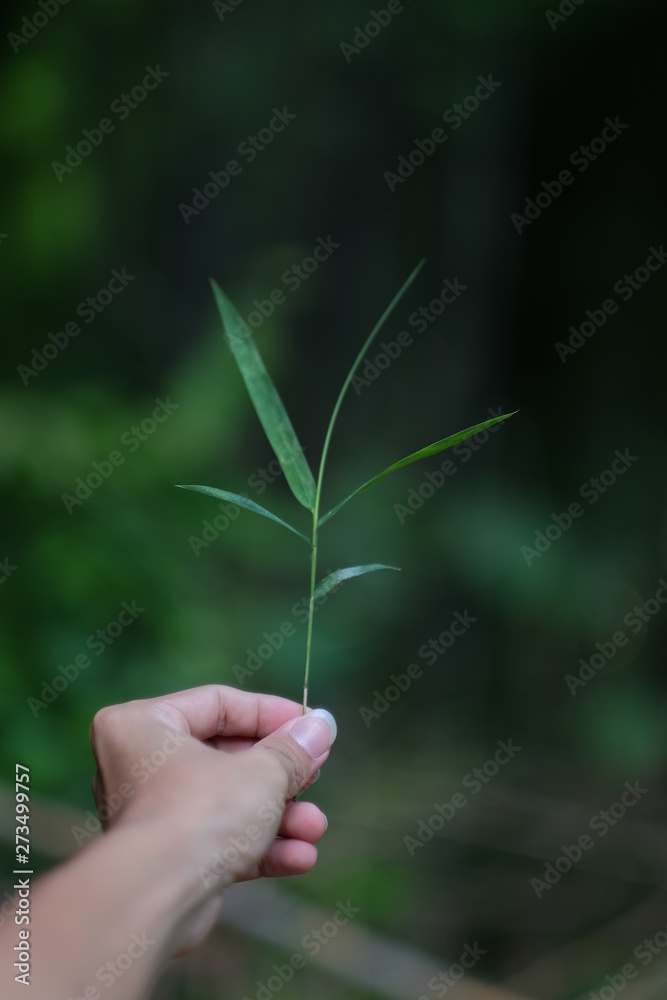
<point>264,395</point>
<point>241,501</point>
<point>431,449</point>
<point>360,357</point>
<point>336,578</point>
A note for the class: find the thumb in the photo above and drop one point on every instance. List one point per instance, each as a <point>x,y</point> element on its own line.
<point>300,747</point>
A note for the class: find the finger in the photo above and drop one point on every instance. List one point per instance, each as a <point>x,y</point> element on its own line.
<point>288,857</point>
<point>303,821</point>
<point>230,744</point>
<point>216,710</point>
<point>311,781</point>
<point>233,744</point>
<point>96,786</point>
<point>299,748</point>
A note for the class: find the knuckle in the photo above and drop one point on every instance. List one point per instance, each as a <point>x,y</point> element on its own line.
<point>297,769</point>
<point>107,725</point>
<point>288,765</point>
<point>98,724</point>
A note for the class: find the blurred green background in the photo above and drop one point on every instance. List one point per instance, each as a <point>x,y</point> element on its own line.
<point>67,573</point>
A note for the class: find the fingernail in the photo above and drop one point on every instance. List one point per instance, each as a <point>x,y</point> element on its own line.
<point>315,732</point>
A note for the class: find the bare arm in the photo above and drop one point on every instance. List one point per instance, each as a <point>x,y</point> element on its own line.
<point>198,789</point>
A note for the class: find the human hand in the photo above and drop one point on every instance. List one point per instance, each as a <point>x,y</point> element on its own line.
<point>212,773</point>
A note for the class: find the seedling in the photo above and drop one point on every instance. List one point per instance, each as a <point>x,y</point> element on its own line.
<point>283,440</point>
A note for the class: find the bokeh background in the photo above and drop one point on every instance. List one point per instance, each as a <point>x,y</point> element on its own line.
<point>67,573</point>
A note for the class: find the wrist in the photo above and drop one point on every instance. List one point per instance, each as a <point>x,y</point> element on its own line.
<point>164,857</point>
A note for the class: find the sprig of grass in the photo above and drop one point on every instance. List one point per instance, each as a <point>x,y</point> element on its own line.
<point>288,451</point>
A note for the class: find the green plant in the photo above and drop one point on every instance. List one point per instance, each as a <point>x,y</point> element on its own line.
<point>283,439</point>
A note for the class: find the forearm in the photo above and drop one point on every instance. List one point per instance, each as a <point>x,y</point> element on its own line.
<point>103,924</point>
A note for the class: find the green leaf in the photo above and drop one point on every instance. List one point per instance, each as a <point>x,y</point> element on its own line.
<point>241,501</point>
<point>350,375</point>
<point>336,578</point>
<point>264,395</point>
<point>431,449</point>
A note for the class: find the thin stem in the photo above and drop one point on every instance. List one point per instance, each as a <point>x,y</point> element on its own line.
<point>311,606</point>
<point>325,451</point>
<point>360,357</point>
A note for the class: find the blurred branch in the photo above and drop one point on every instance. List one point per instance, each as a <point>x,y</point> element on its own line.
<point>619,936</point>
<point>359,956</point>
<point>363,958</point>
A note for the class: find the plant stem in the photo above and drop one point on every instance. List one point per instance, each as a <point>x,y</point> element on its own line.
<point>325,451</point>
<point>311,604</point>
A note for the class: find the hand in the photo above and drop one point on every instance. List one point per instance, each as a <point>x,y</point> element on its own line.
<point>215,770</point>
